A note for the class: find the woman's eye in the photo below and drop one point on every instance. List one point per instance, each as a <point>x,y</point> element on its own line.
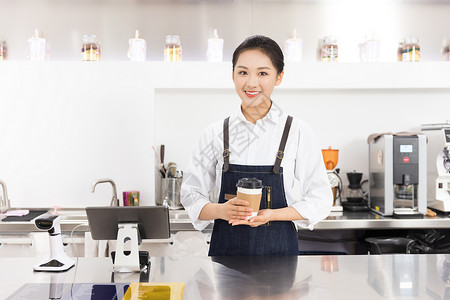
<point>242,73</point>
<point>262,73</point>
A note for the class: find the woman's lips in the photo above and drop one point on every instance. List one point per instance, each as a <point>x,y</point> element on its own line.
<point>252,93</point>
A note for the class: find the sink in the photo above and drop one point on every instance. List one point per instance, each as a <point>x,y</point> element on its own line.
<point>73,218</point>
<point>72,214</point>
<point>179,216</point>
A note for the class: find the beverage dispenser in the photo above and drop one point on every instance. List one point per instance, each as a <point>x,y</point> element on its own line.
<point>398,175</point>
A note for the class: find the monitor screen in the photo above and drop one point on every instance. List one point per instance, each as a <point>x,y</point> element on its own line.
<point>153,221</point>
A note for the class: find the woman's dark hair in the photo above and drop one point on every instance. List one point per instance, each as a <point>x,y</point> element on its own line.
<point>264,44</point>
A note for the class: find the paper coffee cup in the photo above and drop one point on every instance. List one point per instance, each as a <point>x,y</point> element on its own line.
<point>250,189</point>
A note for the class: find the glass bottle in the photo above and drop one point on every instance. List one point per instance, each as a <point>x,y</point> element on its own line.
<point>214,53</point>
<point>172,49</point>
<point>411,49</point>
<point>90,49</point>
<point>293,48</point>
<point>37,47</point>
<point>137,48</point>
<point>329,51</point>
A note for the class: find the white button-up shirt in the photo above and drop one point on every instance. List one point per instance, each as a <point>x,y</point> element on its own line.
<point>257,144</point>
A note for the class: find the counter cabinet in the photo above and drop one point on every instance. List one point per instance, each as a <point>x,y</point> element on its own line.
<point>291,277</point>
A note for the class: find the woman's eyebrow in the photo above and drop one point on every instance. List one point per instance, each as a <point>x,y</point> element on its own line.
<point>259,68</point>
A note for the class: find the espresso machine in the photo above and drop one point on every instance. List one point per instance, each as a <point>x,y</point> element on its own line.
<point>438,165</point>
<point>398,175</point>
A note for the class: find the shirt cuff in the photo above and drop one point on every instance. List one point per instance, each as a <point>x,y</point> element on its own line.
<point>194,213</point>
<point>308,214</point>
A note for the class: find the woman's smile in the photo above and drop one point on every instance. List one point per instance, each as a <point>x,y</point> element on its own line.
<point>252,93</point>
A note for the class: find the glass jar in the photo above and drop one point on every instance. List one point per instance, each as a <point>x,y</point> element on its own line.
<point>320,43</point>
<point>329,49</point>
<point>445,50</point>
<point>401,44</point>
<point>411,49</point>
<point>5,50</point>
<point>1,51</point>
<point>90,50</point>
<point>172,49</point>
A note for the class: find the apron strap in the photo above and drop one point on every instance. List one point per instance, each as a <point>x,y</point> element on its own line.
<point>280,153</point>
<point>226,145</point>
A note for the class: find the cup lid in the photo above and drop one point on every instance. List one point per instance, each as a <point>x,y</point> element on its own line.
<point>249,183</point>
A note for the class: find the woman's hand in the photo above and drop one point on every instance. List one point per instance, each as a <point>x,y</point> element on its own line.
<point>262,218</point>
<point>235,209</point>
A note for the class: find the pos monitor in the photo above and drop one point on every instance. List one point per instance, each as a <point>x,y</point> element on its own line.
<point>128,224</point>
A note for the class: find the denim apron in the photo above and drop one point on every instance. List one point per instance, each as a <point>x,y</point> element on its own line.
<point>273,238</point>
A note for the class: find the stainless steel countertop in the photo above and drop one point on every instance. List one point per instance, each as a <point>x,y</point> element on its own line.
<point>400,276</point>
<point>179,221</point>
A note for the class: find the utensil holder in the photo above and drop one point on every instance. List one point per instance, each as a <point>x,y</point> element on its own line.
<point>170,191</point>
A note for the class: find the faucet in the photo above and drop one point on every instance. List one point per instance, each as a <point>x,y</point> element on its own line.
<point>114,200</point>
<point>4,202</point>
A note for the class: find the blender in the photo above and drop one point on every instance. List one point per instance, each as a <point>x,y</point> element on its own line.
<point>330,158</point>
<point>355,196</point>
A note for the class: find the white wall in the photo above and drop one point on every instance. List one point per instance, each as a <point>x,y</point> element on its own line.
<point>64,127</point>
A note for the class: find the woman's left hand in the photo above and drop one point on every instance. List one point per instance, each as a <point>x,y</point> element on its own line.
<point>262,218</point>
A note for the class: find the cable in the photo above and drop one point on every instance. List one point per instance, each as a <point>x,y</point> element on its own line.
<point>76,253</point>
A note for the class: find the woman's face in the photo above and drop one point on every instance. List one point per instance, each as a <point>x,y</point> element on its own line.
<point>254,78</point>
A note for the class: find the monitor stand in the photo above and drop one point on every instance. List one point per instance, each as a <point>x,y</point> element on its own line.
<point>123,263</point>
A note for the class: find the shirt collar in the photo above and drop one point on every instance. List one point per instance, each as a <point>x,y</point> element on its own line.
<point>273,115</point>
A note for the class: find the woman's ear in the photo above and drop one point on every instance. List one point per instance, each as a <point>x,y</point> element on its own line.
<point>279,78</point>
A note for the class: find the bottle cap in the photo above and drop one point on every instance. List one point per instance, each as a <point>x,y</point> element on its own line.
<point>412,40</point>
<point>137,36</point>
<point>215,40</point>
<point>173,39</point>
<point>330,39</point>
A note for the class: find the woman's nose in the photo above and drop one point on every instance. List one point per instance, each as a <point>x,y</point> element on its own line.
<point>252,81</point>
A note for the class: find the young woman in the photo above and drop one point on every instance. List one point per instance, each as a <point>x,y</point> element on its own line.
<point>258,141</point>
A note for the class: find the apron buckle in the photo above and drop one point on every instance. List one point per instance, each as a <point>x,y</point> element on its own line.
<point>226,153</point>
<point>280,154</point>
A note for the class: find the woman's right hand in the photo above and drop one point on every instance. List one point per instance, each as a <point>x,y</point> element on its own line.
<point>235,209</point>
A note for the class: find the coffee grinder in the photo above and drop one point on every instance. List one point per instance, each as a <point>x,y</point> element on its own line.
<point>354,195</point>
<point>438,165</point>
<point>330,158</point>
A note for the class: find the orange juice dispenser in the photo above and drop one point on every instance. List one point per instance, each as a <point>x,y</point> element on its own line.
<point>330,158</point>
